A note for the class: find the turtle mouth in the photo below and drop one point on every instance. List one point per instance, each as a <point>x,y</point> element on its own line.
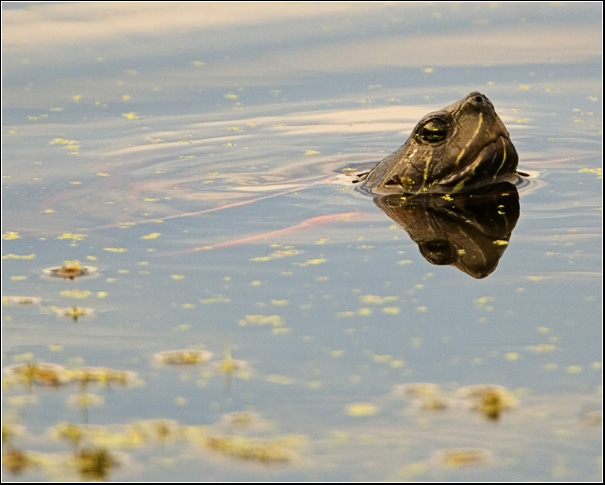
<point>493,162</point>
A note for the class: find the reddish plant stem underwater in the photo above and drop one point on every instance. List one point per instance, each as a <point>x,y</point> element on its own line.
<point>313,221</point>
<point>214,209</point>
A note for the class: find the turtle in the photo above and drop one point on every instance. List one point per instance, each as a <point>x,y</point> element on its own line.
<point>456,149</point>
<point>468,230</point>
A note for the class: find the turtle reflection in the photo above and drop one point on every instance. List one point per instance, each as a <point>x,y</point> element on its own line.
<point>469,231</point>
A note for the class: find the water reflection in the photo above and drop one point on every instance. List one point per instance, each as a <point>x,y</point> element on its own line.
<point>138,134</point>
<point>468,231</point>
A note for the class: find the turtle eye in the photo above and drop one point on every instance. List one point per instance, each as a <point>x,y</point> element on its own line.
<point>438,251</point>
<point>433,131</point>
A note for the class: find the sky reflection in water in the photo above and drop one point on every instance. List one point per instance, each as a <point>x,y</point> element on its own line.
<point>196,156</point>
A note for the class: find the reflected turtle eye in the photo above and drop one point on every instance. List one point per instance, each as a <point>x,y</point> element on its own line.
<point>433,131</point>
<point>438,251</point>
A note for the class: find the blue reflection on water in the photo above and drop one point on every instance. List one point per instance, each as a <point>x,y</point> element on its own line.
<point>355,309</point>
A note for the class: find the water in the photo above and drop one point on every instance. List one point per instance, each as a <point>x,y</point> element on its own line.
<point>198,157</point>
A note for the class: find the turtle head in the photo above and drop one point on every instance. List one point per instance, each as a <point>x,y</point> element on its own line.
<point>460,147</point>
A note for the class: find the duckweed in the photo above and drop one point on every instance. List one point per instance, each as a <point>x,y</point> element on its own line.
<point>70,270</point>
<point>74,312</point>
<point>10,235</point>
<point>490,401</point>
<point>456,458</point>
<point>17,461</point>
<point>94,463</point>
<point>254,449</point>
<point>182,357</point>
<point>20,300</point>
<point>103,375</point>
<point>361,409</point>
<point>44,374</point>
<point>54,375</point>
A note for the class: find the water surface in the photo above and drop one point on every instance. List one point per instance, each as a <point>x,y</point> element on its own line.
<point>198,158</point>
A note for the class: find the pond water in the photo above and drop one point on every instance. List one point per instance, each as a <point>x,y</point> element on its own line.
<point>177,177</point>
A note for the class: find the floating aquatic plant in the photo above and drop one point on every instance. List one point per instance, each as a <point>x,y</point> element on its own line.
<point>70,270</point>
<point>17,461</point>
<point>20,300</point>
<point>262,450</point>
<point>94,463</point>
<point>45,374</point>
<point>490,400</point>
<point>182,357</point>
<point>103,375</point>
<point>75,312</point>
